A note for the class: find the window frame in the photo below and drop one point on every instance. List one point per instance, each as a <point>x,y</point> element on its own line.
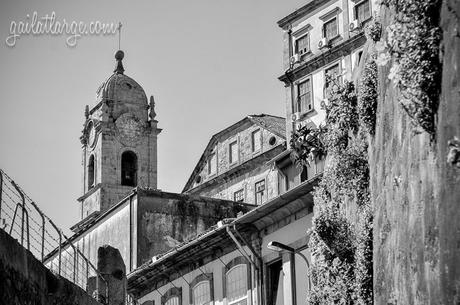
<point>230,158</point>
<point>253,140</point>
<point>355,10</point>
<point>263,191</point>
<point>236,192</point>
<point>203,277</point>
<point>329,67</point>
<point>297,105</point>
<point>328,21</point>
<point>209,164</point>
<point>297,39</point>
<point>237,261</point>
<point>171,293</point>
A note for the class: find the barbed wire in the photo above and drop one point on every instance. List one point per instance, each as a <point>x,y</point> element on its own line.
<point>22,219</point>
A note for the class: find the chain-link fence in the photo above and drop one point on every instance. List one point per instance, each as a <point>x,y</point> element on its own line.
<point>21,218</point>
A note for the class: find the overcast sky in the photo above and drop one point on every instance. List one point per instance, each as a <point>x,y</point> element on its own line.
<point>209,63</point>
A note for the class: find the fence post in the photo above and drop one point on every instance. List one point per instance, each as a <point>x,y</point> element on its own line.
<point>1,193</point>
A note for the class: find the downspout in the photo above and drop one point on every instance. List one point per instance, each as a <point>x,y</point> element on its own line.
<point>256,264</point>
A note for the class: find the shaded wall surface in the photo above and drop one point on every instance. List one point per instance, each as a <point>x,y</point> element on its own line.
<point>25,280</point>
<point>415,192</point>
<point>167,219</point>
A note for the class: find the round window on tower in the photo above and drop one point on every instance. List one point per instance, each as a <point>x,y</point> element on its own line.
<point>272,141</point>
<point>198,179</point>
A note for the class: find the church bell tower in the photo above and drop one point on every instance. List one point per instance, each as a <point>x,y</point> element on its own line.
<point>119,142</point>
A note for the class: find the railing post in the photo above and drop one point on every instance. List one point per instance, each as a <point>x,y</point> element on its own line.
<point>24,212</point>
<point>1,193</point>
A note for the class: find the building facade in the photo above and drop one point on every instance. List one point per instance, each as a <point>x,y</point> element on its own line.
<point>324,37</point>
<point>235,164</point>
<point>262,257</point>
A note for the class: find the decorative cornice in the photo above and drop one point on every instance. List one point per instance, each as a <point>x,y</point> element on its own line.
<point>286,22</point>
<point>335,11</point>
<point>323,59</point>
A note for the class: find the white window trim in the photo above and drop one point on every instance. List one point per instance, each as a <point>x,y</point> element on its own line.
<point>297,83</point>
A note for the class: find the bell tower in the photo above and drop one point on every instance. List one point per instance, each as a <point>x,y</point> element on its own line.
<point>119,142</point>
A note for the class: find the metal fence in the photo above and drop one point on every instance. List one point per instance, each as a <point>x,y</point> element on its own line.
<point>21,218</point>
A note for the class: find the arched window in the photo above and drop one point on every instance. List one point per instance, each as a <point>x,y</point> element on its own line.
<point>129,168</point>
<point>91,171</point>
<point>201,290</point>
<point>172,297</point>
<point>236,282</point>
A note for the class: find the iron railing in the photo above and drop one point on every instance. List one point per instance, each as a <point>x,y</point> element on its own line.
<point>22,219</point>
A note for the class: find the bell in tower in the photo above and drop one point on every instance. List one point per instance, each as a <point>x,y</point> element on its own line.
<point>119,142</point>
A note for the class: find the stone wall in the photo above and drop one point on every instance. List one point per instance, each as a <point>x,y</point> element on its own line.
<point>25,280</point>
<point>415,192</point>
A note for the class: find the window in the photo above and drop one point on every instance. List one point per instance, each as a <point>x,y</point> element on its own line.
<point>304,96</point>
<point>172,297</point>
<point>256,141</point>
<point>236,285</point>
<point>332,75</point>
<point>362,11</point>
<point>212,164</point>
<point>260,190</point>
<point>201,289</point>
<point>233,152</point>
<point>302,45</point>
<point>91,171</point>
<point>201,293</point>
<point>129,168</point>
<point>172,301</point>
<point>330,29</point>
<point>238,196</point>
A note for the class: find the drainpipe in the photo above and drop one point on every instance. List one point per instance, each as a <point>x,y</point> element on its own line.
<point>256,264</point>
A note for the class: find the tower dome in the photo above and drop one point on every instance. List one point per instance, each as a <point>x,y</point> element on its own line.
<point>120,87</point>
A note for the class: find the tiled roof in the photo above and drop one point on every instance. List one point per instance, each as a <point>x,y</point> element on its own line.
<point>275,124</point>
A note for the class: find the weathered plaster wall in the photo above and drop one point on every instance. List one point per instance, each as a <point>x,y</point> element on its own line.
<point>243,136</point>
<point>165,221</point>
<point>25,280</point>
<point>415,192</point>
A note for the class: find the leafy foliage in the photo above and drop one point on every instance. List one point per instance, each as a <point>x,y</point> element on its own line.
<point>374,30</point>
<point>413,42</point>
<point>363,259</point>
<point>367,96</point>
<point>340,273</point>
<point>307,144</point>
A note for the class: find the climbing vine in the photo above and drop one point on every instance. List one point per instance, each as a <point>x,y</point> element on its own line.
<point>341,272</point>
<point>367,96</point>
<point>412,44</point>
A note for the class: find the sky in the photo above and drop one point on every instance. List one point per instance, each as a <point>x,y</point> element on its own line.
<point>209,63</point>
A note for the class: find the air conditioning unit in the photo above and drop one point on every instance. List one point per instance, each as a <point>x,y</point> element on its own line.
<point>295,58</point>
<point>323,43</point>
<point>295,116</point>
<point>355,25</point>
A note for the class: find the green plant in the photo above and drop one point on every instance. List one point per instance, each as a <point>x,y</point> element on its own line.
<point>367,96</point>
<point>340,272</point>
<point>413,42</point>
<point>307,144</point>
<point>373,29</point>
